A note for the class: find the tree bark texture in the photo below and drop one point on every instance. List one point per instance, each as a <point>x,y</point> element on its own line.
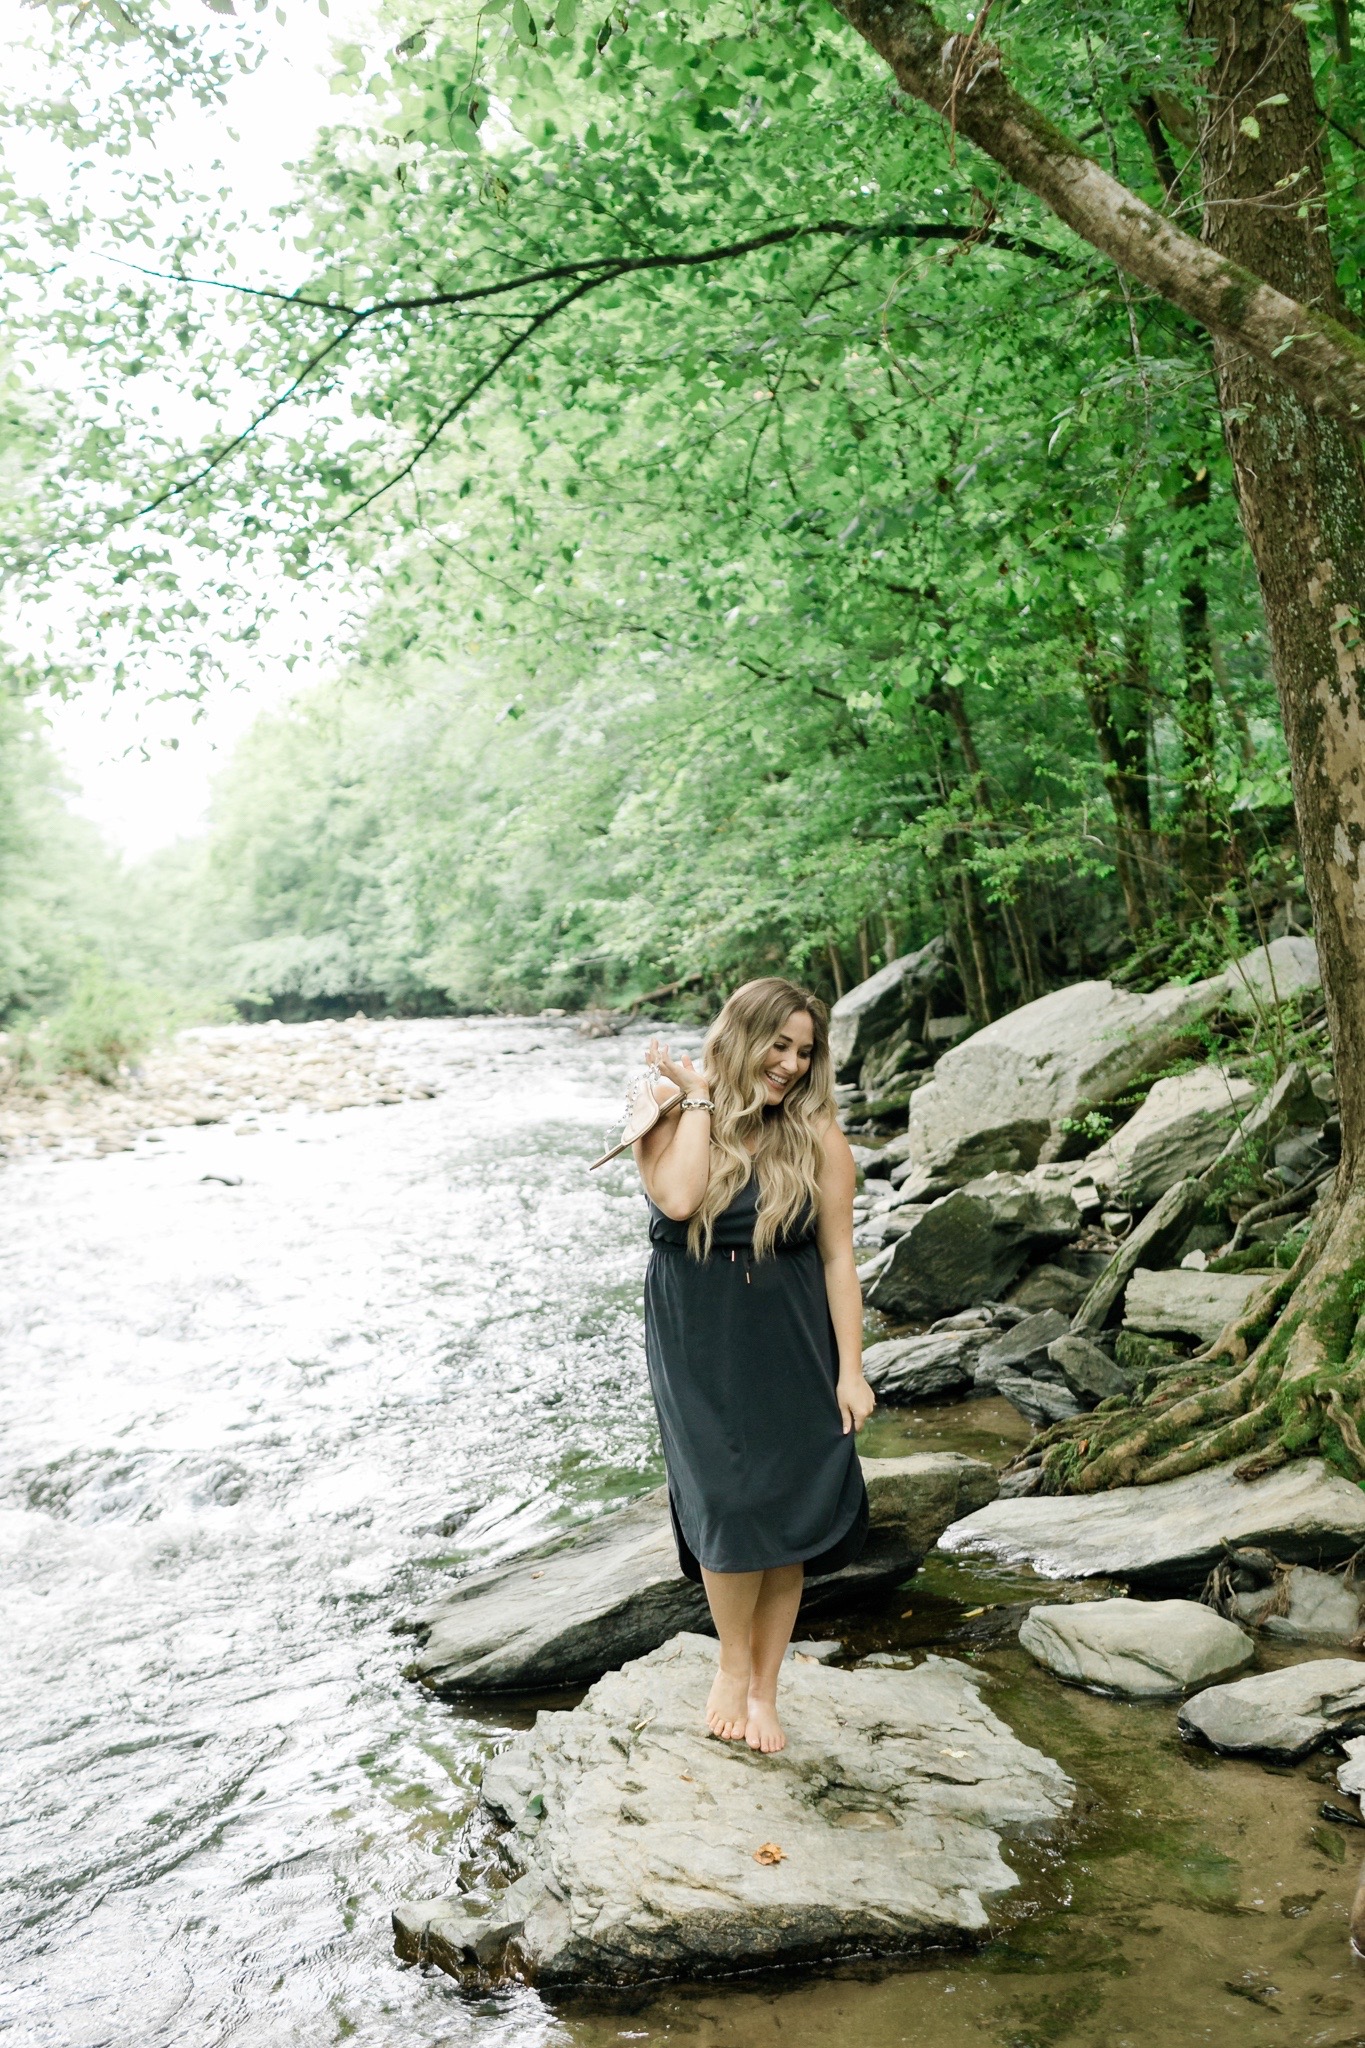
<point>1300,339</point>
<point>1301,486</point>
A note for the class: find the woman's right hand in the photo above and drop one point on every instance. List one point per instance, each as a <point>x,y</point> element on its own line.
<point>680,1071</point>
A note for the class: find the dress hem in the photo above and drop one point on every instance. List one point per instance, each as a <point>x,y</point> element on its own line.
<point>828,1557</point>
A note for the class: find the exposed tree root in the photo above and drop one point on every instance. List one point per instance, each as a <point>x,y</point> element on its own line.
<point>1285,1379</point>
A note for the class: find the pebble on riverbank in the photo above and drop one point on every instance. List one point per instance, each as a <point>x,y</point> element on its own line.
<point>209,1075</point>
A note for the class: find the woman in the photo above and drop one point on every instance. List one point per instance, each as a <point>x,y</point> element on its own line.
<point>753,1333</point>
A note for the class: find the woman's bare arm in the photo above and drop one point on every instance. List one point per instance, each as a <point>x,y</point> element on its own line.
<point>838,1179</point>
<point>675,1157</point>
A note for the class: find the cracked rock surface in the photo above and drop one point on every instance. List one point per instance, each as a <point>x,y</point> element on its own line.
<point>639,1846</point>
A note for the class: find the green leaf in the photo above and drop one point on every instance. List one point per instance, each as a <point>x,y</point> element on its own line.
<point>1249,125</point>
<point>523,24</point>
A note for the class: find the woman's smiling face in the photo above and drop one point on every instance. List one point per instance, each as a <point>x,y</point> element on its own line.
<point>788,1058</point>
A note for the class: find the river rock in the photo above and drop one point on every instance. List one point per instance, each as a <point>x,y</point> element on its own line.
<point>967,1247</point>
<point>1003,1099</point>
<point>566,1611</point>
<point>872,1011</point>
<point>1172,1532</point>
<point>1021,1349</point>
<point>1180,1128</point>
<point>1284,971</point>
<point>1038,1401</point>
<point>1191,1304</point>
<point>642,1848</point>
<point>1049,1286</point>
<point>1143,1649</point>
<point>1151,1241</point>
<point>1090,1373</point>
<point>1285,1714</point>
<point>1351,1775</point>
<point>1290,1102</point>
<point>1317,1607</point>
<point>917,1368</point>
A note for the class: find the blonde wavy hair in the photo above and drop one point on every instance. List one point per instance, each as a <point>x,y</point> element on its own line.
<point>790,1153</point>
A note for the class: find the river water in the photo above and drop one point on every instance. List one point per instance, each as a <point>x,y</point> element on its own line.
<point>247,1427</point>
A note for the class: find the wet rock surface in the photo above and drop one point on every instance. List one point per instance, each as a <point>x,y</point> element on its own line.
<point>1174,1531</point>
<point>1141,1649</point>
<point>565,1612</point>
<point>642,1847</point>
<point>1304,1606</point>
<point>1285,1714</point>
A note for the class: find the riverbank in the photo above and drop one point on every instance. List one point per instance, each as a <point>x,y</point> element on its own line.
<point>212,1074</point>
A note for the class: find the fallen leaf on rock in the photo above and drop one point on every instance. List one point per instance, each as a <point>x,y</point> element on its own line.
<point>769,1852</point>
<point>972,1613</point>
<point>960,1754</point>
<point>906,1613</point>
<point>1332,1845</point>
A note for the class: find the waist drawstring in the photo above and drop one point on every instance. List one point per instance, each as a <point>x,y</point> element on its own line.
<point>748,1277</point>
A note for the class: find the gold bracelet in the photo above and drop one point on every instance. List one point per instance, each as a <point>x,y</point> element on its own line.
<point>695,1102</point>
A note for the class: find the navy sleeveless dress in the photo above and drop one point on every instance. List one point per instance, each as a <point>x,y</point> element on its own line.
<point>743,1367</point>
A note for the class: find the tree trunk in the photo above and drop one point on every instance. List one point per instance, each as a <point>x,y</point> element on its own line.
<point>1200,867</point>
<point>1125,777</point>
<point>1302,343</point>
<point>1289,1376</point>
<point>1301,487</point>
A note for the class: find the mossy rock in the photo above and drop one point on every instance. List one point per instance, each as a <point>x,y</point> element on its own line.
<point>1136,1354</point>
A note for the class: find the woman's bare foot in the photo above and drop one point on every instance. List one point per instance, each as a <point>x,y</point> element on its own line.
<point>763,1730</point>
<point>727,1706</point>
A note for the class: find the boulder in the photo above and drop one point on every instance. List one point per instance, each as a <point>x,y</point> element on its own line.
<point>1173,1532</point>
<point>641,1848</point>
<point>1021,1349</point>
<point>1181,1128</point>
<point>872,1011</point>
<point>1090,1373</point>
<point>1187,1303</point>
<point>1003,1099</point>
<point>1305,1606</point>
<point>918,1368</point>
<point>967,1247</point>
<point>1291,1101</point>
<point>566,1611</point>
<point>1038,1401</point>
<point>1143,1649</point>
<point>1154,1239</point>
<point>1284,971</point>
<point>1049,1286</point>
<point>1285,1714</point>
<point>1351,1775</point>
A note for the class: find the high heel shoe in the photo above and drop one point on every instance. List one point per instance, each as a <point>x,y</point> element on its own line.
<point>650,1097</point>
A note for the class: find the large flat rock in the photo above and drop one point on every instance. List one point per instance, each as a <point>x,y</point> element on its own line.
<point>1187,1304</point>
<point>1285,1714</point>
<point>1172,1532</point>
<point>563,1613</point>
<point>1140,1649</point>
<point>1179,1129</point>
<point>1004,1098</point>
<point>644,1848</point>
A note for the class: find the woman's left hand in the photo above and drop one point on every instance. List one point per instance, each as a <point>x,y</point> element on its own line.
<point>856,1401</point>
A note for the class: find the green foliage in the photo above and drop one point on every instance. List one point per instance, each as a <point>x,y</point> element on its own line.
<point>742,507</point>
<point>102,1027</point>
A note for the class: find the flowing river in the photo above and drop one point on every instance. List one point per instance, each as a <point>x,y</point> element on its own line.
<point>247,1427</point>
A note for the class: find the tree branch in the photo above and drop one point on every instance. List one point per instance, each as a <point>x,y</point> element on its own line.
<point>1316,356</point>
<point>558,273</point>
